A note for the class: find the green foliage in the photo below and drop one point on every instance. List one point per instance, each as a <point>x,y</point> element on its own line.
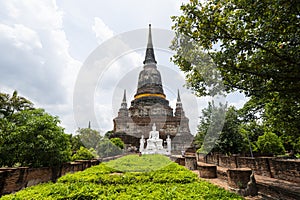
<point>75,142</point>
<point>248,58</point>
<point>209,129</point>
<point>106,148</point>
<point>11,104</point>
<point>108,134</point>
<point>231,140</point>
<point>83,154</point>
<point>270,143</point>
<point>118,142</point>
<point>251,131</point>
<point>89,138</point>
<point>33,138</point>
<point>102,182</point>
<point>252,47</point>
<point>228,140</point>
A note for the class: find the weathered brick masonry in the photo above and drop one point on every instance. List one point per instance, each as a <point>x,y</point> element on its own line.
<point>283,169</point>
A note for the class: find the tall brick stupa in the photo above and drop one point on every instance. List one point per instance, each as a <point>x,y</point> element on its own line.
<point>151,106</point>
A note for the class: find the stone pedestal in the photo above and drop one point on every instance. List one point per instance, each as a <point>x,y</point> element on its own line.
<point>239,177</point>
<point>242,181</point>
<point>190,162</point>
<point>207,170</point>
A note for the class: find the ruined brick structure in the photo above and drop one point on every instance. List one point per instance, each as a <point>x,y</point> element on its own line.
<point>151,106</point>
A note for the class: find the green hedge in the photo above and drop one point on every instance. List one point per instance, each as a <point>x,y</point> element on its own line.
<point>104,182</point>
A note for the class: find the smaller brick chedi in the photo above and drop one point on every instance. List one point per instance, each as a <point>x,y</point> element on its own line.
<point>150,106</point>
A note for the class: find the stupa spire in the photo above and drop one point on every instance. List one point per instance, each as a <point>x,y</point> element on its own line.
<point>179,110</point>
<point>149,57</point>
<point>124,96</point>
<point>124,102</point>
<point>178,96</point>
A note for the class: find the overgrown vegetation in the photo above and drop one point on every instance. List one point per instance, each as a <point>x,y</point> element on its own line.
<point>104,147</point>
<point>103,182</point>
<point>30,136</point>
<point>238,135</point>
<point>84,154</point>
<point>246,46</point>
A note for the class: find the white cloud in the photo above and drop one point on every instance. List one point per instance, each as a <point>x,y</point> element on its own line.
<point>35,56</point>
<point>34,13</point>
<point>102,31</point>
<point>21,36</point>
<point>39,39</point>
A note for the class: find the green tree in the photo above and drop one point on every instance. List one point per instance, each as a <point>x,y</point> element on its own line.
<point>270,143</point>
<point>251,131</point>
<point>108,134</point>
<point>107,148</point>
<point>90,138</point>
<point>231,140</point>
<point>83,154</point>
<point>210,116</point>
<point>226,139</point>
<point>210,127</point>
<point>75,142</point>
<point>118,142</point>
<point>254,45</point>
<point>278,116</point>
<point>11,104</point>
<point>33,138</point>
<point>259,42</point>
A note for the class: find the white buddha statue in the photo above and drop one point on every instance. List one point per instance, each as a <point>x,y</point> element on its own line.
<point>154,142</point>
<point>168,144</point>
<point>142,142</point>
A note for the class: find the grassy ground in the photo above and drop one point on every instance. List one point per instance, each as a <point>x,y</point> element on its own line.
<point>136,163</point>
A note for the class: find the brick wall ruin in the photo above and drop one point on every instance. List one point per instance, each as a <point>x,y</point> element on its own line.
<point>284,169</point>
<point>15,179</point>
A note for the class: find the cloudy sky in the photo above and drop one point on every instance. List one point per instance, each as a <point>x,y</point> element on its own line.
<point>75,58</point>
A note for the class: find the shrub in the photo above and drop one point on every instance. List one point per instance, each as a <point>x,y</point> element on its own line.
<point>118,142</point>
<point>270,143</point>
<point>83,154</point>
<point>103,182</point>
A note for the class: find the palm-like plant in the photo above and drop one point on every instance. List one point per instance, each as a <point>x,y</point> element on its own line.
<point>11,104</point>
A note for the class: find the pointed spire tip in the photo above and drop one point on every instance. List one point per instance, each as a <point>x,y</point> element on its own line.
<point>124,97</point>
<point>178,96</point>
<point>149,57</point>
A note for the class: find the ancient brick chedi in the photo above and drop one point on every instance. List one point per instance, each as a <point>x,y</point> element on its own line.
<point>151,106</point>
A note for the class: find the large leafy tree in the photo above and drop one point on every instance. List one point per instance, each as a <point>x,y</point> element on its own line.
<point>218,131</point>
<point>231,140</point>
<point>33,138</point>
<point>259,42</point>
<point>255,47</point>
<point>29,136</point>
<point>210,127</point>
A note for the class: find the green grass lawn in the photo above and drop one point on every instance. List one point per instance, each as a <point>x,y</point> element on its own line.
<point>135,163</point>
<point>129,177</point>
